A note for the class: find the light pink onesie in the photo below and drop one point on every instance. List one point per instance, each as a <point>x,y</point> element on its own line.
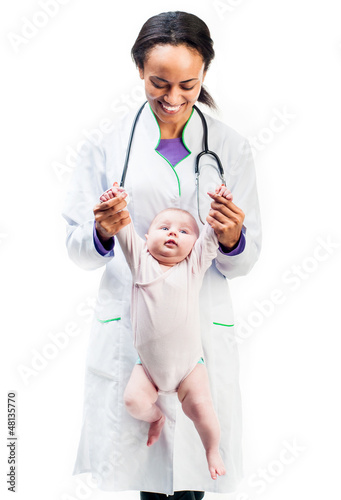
<point>165,307</point>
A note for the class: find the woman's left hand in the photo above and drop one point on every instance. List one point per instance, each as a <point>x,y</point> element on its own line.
<point>226,219</point>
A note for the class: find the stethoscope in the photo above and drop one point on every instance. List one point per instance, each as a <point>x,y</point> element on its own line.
<point>206,151</point>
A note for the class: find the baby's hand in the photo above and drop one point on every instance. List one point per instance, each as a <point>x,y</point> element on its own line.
<point>114,191</point>
<point>223,191</point>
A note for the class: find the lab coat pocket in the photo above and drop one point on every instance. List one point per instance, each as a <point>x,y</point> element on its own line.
<point>223,329</point>
<point>222,316</point>
<point>104,346</point>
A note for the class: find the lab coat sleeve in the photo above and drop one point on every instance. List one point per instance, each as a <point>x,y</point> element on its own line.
<point>101,249</point>
<point>242,183</point>
<point>87,184</point>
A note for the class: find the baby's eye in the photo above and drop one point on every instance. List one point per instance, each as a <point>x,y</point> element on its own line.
<point>165,228</point>
<point>183,231</point>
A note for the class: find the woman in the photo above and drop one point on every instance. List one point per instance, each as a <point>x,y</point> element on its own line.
<point>172,52</point>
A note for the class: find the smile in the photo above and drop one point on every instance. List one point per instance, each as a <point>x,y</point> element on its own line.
<point>170,109</point>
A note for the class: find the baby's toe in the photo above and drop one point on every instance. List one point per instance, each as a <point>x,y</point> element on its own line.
<point>221,471</point>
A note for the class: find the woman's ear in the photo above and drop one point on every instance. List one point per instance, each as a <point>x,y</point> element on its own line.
<point>141,73</point>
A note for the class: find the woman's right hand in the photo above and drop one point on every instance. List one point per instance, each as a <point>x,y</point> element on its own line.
<point>110,216</point>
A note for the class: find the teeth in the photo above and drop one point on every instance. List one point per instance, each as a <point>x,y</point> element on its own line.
<point>171,108</point>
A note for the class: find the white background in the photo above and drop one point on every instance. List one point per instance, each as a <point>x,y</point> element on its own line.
<point>272,58</point>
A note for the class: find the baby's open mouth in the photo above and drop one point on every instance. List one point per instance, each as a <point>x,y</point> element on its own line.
<point>170,242</point>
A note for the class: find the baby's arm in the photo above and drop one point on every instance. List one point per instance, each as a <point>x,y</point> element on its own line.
<point>129,240</point>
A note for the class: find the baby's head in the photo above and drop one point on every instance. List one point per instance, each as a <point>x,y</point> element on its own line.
<point>171,236</point>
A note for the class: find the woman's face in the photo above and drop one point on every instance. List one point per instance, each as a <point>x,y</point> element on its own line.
<point>173,77</point>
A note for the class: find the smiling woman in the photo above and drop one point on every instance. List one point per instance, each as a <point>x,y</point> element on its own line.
<point>172,52</point>
<point>174,68</point>
<point>170,96</point>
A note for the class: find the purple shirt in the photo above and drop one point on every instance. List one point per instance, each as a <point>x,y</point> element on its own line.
<point>105,248</point>
<point>174,151</point>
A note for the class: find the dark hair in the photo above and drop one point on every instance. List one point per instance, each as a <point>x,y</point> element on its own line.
<point>176,28</point>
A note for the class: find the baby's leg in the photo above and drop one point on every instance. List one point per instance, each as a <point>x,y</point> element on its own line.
<point>195,396</point>
<point>139,398</point>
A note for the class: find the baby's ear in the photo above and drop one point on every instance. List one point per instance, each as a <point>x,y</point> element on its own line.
<point>146,236</point>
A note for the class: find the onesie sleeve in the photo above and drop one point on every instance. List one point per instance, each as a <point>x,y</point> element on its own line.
<point>132,245</point>
<point>205,250</point>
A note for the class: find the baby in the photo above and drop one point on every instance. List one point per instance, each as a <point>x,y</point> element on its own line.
<point>167,270</point>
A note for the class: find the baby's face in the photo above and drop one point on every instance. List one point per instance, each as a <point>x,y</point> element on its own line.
<point>171,237</point>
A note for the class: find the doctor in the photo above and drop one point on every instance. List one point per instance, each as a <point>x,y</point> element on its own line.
<point>173,52</point>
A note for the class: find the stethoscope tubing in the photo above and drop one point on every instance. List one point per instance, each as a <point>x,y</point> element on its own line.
<point>206,151</point>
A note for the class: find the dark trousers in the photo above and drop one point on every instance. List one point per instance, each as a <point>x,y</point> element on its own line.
<point>178,495</point>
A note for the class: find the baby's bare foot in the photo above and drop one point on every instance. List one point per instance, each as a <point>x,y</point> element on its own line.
<point>155,430</point>
<point>215,464</point>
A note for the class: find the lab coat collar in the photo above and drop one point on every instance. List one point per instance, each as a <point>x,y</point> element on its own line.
<point>192,134</point>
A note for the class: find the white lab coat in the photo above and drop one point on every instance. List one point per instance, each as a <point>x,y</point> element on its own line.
<point>112,443</point>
